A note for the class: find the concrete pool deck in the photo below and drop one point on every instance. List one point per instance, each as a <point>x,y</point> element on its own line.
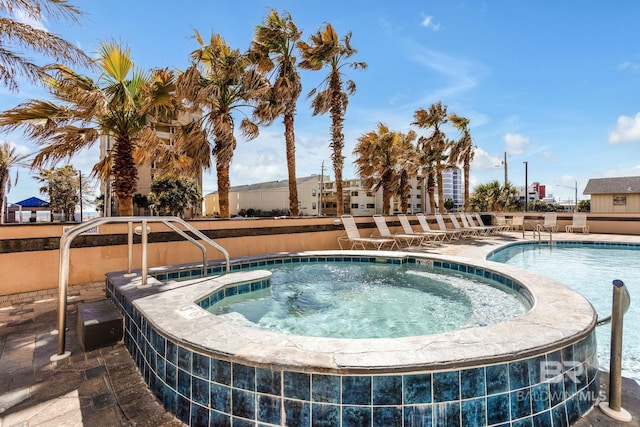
<point>103,387</point>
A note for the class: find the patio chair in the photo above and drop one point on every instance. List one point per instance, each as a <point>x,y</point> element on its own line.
<point>429,235</point>
<point>444,231</point>
<point>579,222</point>
<point>470,223</point>
<point>465,230</point>
<point>407,239</point>
<point>356,241</point>
<point>517,223</point>
<point>550,222</point>
<point>499,228</point>
<point>501,221</point>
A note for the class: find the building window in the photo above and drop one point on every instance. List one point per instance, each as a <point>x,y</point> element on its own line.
<point>354,193</point>
<point>418,196</point>
<point>619,200</point>
<point>313,192</point>
<point>354,206</point>
<point>313,205</point>
<point>370,194</point>
<point>371,206</point>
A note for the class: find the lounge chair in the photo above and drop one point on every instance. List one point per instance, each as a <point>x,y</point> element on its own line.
<point>465,230</point>
<point>406,239</point>
<point>517,223</point>
<point>356,241</point>
<point>470,223</point>
<point>550,222</point>
<point>499,228</point>
<point>429,235</point>
<point>501,221</point>
<point>579,222</point>
<point>444,231</point>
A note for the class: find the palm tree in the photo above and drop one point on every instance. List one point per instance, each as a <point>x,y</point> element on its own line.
<point>426,167</point>
<point>380,156</point>
<point>272,48</point>
<point>9,158</point>
<point>124,103</point>
<point>436,143</point>
<point>463,152</point>
<point>14,34</point>
<point>220,82</point>
<point>325,49</point>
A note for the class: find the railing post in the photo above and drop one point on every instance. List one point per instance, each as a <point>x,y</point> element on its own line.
<point>613,409</point>
<point>145,251</point>
<point>130,272</point>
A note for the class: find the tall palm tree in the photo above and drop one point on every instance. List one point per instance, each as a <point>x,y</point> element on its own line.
<point>325,49</point>
<point>219,82</point>
<point>15,35</point>
<point>426,168</point>
<point>380,156</point>
<point>463,151</point>
<point>408,165</point>
<point>124,103</point>
<point>433,119</point>
<point>273,49</point>
<point>9,158</point>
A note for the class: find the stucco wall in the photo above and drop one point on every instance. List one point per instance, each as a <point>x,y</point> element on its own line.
<point>29,253</point>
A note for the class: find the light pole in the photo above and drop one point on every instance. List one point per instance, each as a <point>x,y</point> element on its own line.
<point>575,188</point>
<point>526,186</point>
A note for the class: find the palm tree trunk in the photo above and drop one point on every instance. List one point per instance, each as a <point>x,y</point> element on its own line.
<point>440,189</point>
<point>467,205</point>
<point>125,175</point>
<point>222,169</point>
<point>290,141</point>
<point>337,138</point>
<point>4,178</point>
<point>431,189</point>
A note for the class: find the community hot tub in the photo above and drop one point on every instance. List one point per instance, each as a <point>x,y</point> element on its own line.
<point>538,368</point>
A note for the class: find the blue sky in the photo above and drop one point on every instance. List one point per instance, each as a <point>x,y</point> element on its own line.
<point>555,84</point>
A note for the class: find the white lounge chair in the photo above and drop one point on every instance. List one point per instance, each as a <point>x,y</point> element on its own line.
<point>446,233</point>
<point>406,239</point>
<point>579,222</point>
<point>550,222</point>
<point>517,222</point>
<point>429,235</point>
<point>493,228</point>
<point>466,231</point>
<point>354,239</point>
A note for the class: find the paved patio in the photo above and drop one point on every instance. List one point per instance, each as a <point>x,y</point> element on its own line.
<point>104,388</point>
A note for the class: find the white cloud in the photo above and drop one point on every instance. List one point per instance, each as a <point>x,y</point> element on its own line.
<point>515,144</point>
<point>627,130</point>
<point>24,18</point>
<point>428,23</point>
<point>629,66</point>
<point>483,161</point>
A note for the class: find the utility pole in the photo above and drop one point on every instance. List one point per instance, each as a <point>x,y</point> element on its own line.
<point>505,169</point>
<point>321,188</point>
<point>526,186</point>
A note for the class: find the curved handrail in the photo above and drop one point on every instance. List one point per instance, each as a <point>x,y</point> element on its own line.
<point>542,227</point>
<point>533,229</point>
<point>72,233</point>
<point>626,302</point>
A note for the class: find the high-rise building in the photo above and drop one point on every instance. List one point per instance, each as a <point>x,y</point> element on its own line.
<point>147,171</point>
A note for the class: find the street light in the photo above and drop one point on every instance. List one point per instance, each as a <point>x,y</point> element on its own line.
<point>526,186</point>
<point>575,207</point>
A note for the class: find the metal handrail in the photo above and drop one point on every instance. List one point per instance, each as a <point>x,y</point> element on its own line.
<point>533,228</point>
<point>72,233</point>
<point>542,227</point>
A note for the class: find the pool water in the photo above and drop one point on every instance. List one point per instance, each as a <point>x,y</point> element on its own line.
<point>348,300</point>
<point>590,270</point>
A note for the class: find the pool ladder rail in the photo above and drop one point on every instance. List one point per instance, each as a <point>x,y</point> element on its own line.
<point>537,228</point>
<point>143,230</point>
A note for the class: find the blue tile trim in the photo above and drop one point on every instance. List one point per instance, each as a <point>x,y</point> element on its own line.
<point>200,388</point>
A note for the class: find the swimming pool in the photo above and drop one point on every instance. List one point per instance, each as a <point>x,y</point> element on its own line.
<point>369,300</point>
<point>590,269</point>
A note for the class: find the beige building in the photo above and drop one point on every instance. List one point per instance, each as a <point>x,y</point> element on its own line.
<point>267,197</point>
<point>148,171</point>
<point>614,195</point>
<point>274,196</point>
